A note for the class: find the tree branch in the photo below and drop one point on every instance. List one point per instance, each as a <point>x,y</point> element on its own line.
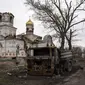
<point>59,9</point>
<point>77,23</point>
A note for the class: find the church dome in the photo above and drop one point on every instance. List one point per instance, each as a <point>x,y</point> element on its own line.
<point>29,22</point>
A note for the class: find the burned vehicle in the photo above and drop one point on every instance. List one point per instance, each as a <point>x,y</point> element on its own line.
<point>46,59</point>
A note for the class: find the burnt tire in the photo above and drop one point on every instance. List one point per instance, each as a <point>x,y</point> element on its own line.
<point>68,66</point>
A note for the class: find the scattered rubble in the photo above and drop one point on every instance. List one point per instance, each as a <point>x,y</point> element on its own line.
<point>10,74</point>
<point>20,77</point>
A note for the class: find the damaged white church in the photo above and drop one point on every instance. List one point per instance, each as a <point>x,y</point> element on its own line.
<point>9,41</point>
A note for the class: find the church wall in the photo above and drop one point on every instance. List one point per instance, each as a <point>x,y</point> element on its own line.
<point>9,48</point>
<point>5,31</point>
<point>6,23</point>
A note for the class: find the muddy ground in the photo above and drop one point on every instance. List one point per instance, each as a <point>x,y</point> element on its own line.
<point>19,76</point>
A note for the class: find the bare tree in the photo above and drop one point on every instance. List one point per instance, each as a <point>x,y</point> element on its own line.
<point>57,15</point>
<point>77,52</point>
<point>69,37</point>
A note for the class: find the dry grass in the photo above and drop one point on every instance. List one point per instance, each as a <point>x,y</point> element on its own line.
<point>18,76</point>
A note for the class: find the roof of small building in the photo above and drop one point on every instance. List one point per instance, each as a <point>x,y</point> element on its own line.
<point>31,37</point>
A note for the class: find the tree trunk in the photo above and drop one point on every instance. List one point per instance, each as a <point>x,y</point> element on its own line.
<point>62,42</point>
<point>70,40</point>
<point>70,45</point>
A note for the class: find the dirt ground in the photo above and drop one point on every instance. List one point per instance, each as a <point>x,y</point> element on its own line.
<point>20,77</point>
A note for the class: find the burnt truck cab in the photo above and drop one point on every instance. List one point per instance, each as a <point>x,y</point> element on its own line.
<point>41,59</point>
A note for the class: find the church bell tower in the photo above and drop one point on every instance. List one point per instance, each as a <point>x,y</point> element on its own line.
<point>6,24</point>
<point>6,18</point>
<point>29,27</point>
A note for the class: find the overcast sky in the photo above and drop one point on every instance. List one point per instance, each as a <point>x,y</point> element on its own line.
<point>22,14</point>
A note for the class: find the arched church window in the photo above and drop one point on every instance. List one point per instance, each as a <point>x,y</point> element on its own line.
<point>11,19</point>
<point>17,50</point>
<point>0,32</point>
<point>0,18</point>
<point>27,29</point>
<point>1,45</point>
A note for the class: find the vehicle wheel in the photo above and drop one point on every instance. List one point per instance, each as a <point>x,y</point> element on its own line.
<point>62,69</point>
<point>68,66</point>
<point>56,69</point>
